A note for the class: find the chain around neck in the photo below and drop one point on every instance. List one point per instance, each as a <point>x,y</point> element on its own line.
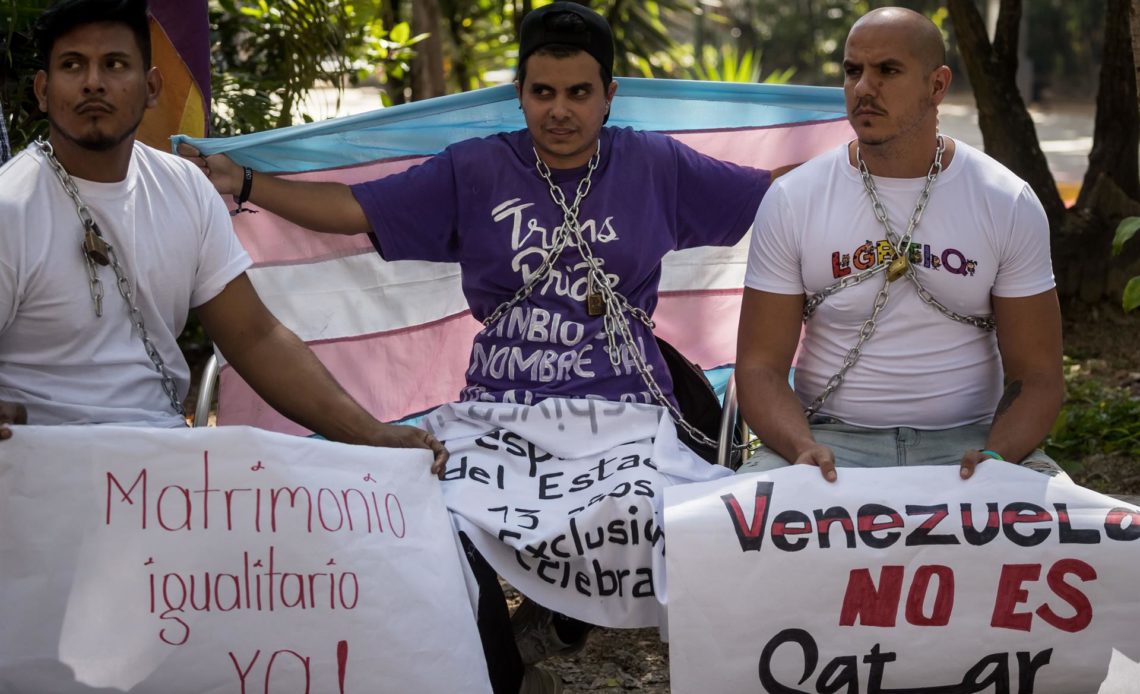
<point>901,244</point>
<point>935,166</point>
<point>92,234</point>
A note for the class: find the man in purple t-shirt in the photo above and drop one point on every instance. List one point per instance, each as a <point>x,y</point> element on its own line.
<point>559,231</point>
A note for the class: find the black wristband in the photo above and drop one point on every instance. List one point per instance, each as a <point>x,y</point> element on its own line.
<point>246,186</point>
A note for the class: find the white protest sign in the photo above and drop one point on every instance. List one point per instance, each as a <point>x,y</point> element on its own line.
<point>564,499</point>
<point>901,579</point>
<point>226,560</point>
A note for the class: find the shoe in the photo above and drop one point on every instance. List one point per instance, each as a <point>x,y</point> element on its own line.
<point>1049,468</point>
<point>538,681</point>
<point>533,626</point>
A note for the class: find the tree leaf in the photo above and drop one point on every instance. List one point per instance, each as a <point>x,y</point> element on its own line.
<point>1131,294</point>
<point>400,33</point>
<point>1126,230</point>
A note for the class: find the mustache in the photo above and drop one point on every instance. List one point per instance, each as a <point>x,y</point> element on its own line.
<point>869,104</point>
<point>84,105</point>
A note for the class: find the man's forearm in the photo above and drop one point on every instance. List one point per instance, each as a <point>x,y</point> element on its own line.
<point>288,376</point>
<point>330,208</point>
<point>1025,415</point>
<point>773,411</point>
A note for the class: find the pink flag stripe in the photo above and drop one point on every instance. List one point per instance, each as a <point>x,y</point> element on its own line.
<point>270,240</point>
<point>767,148</point>
<point>399,373</point>
<point>392,375</point>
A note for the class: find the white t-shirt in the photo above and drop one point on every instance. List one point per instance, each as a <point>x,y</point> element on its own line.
<point>984,232</point>
<point>173,236</point>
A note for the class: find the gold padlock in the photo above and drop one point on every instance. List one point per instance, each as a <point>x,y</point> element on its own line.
<point>897,268</point>
<point>595,305</point>
<point>96,248</point>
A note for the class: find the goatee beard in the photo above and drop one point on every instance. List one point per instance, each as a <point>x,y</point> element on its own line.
<point>96,143</point>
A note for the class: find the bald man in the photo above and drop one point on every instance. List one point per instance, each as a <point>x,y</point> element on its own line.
<point>920,270</point>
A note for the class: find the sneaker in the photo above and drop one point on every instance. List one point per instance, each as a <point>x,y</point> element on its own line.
<point>538,681</point>
<point>1049,468</point>
<point>533,626</point>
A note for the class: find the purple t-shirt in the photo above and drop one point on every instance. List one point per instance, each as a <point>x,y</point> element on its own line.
<point>483,204</point>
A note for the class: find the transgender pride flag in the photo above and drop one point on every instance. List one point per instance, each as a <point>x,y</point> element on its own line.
<point>398,335</point>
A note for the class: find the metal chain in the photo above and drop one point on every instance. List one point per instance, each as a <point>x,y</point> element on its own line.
<point>855,352</point>
<point>616,304</point>
<point>562,235</point>
<point>169,386</point>
<point>900,246</point>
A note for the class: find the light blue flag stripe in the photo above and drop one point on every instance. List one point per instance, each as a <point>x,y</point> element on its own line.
<point>426,127</point>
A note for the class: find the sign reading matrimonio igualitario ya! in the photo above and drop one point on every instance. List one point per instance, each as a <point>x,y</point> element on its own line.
<point>226,560</point>
<point>898,580</point>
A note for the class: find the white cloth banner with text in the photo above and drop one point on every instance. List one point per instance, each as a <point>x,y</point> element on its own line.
<point>902,579</point>
<point>564,499</point>
<point>226,560</point>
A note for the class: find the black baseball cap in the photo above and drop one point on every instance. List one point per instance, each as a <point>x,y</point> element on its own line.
<point>541,28</point>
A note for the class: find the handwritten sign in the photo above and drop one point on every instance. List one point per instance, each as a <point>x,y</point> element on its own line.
<point>564,499</point>
<point>902,579</point>
<point>226,560</point>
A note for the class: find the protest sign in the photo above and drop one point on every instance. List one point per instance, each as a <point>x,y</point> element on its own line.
<point>564,499</point>
<point>901,579</point>
<point>226,560</point>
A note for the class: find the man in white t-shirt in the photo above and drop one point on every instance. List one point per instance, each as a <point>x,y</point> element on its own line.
<point>90,311</point>
<point>900,362</point>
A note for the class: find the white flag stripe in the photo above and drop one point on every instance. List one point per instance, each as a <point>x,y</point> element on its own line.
<point>356,295</point>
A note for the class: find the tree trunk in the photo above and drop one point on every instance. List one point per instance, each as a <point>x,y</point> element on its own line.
<point>462,58</point>
<point>1007,129</point>
<point>1134,23</point>
<point>393,86</point>
<point>427,66</point>
<point>521,8</point>
<point>1111,187</point>
<point>1117,133</point>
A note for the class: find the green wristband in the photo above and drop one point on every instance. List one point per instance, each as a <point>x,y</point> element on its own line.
<point>993,454</point>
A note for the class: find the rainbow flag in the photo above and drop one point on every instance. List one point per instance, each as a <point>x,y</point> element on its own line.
<point>180,49</point>
<point>398,335</point>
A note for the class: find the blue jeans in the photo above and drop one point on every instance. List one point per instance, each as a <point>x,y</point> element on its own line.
<point>856,446</point>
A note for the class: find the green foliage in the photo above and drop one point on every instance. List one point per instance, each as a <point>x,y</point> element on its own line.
<point>1095,418</point>
<point>268,55</point>
<point>1127,229</point>
<point>728,65</point>
<point>802,36</point>
<point>644,35</point>
<point>1131,297</point>
<point>377,51</point>
<point>1065,43</point>
<point>18,66</point>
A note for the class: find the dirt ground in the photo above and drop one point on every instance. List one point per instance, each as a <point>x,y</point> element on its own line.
<point>1103,341</point>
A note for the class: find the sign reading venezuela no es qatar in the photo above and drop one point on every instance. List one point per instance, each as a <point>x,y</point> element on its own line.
<point>226,560</point>
<point>902,580</point>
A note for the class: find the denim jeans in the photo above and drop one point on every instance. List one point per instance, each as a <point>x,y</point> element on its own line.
<point>856,446</point>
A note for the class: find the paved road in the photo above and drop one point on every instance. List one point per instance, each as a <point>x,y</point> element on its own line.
<point>1065,130</point>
